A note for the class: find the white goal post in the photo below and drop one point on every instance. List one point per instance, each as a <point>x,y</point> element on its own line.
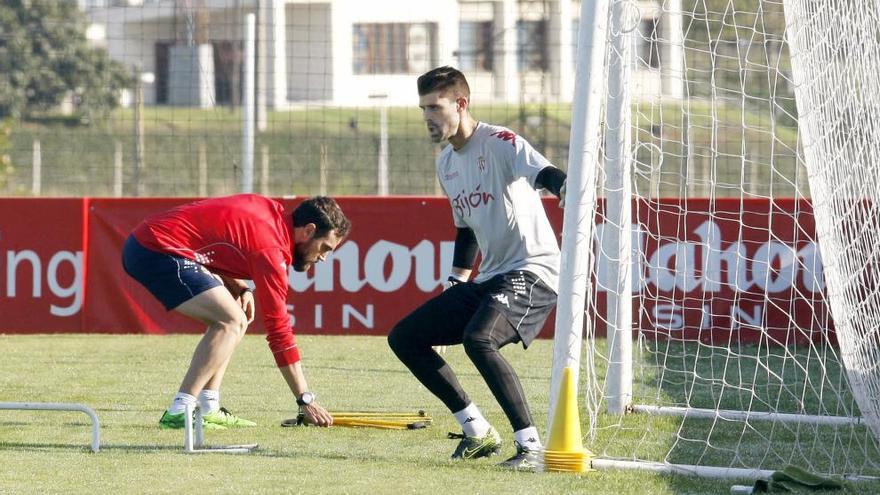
<point>719,289</point>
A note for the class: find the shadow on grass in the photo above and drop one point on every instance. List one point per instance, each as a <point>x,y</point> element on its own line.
<point>463,367</point>
<point>42,447</point>
<point>440,462</point>
<point>37,424</point>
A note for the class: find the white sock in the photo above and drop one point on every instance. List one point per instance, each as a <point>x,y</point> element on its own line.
<point>528,438</point>
<point>472,421</point>
<point>181,400</point>
<point>209,401</point>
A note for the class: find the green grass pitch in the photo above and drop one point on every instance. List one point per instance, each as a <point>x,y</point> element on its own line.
<point>129,379</point>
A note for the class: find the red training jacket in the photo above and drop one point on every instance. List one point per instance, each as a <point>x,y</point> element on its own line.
<point>243,236</point>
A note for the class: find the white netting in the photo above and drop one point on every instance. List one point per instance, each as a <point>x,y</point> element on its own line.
<point>730,295</point>
<point>839,106</point>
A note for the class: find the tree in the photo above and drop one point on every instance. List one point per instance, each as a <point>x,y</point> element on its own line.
<point>45,57</point>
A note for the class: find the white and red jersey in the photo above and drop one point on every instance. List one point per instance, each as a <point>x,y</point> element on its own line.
<point>490,182</point>
<point>245,236</point>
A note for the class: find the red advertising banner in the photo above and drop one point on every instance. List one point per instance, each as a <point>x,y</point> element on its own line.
<point>116,302</point>
<point>41,265</point>
<point>728,269</point>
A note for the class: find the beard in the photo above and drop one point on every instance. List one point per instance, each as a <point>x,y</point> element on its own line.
<point>300,264</point>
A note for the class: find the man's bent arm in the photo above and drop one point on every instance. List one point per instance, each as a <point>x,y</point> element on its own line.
<point>464,254</point>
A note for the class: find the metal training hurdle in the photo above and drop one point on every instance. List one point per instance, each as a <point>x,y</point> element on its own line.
<point>54,406</point>
<point>194,437</point>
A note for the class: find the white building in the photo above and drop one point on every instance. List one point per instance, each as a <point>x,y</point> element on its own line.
<point>342,52</point>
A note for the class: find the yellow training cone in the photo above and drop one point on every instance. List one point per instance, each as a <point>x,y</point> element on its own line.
<point>565,433</point>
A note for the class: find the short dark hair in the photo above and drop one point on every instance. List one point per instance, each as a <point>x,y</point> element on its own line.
<point>325,213</point>
<point>444,79</point>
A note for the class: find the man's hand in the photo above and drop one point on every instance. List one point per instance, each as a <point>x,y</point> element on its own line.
<point>562,195</point>
<point>246,299</point>
<point>316,415</point>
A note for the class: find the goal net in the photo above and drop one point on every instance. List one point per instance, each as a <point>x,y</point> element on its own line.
<point>731,320</point>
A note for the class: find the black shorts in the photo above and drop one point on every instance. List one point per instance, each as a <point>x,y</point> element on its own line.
<point>171,279</point>
<point>521,297</point>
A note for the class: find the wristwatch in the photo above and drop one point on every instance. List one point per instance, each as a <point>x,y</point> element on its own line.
<point>305,399</point>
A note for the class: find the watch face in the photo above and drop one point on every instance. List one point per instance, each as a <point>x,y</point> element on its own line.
<point>307,398</point>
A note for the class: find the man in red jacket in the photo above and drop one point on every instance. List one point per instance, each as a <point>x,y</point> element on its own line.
<point>195,259</point>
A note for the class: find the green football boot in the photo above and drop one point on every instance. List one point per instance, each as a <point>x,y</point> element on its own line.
<point>226,419</point>
<point>526,459</point>
<point>170,421</point>
<point>475,447</point>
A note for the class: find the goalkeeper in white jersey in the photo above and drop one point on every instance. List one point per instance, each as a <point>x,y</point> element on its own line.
<point>492,178</point>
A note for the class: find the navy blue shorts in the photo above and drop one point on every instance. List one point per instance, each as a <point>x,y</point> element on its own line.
<point>172,279</point>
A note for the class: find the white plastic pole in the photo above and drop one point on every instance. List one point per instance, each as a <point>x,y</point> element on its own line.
<point>682,469</point>
<point>139,176</point>
<point>198,429</point>
<point>383,150</point>
<point>262,20</point>
<point>37,169</point>
<point>672,66</point>
<point>382,166</point>
<point>188,429</point>
<point>247,115</point>
<point>617,244</point>
<point>264,170</point>
<point>732,415</point>
<point>202,153</point>
<point>699,471</point>
<point>322,172</point>
<point>117,170</point>
<point>577,229</point>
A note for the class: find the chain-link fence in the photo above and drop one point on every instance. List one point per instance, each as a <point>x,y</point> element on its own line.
<point>160,111</point>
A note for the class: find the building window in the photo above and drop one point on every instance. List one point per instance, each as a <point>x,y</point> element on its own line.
<point>475,46</point>
<point>531,45</point>
<point>394,48</point>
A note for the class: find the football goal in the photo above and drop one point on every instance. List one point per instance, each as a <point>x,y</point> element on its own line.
<point>721,239</point>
